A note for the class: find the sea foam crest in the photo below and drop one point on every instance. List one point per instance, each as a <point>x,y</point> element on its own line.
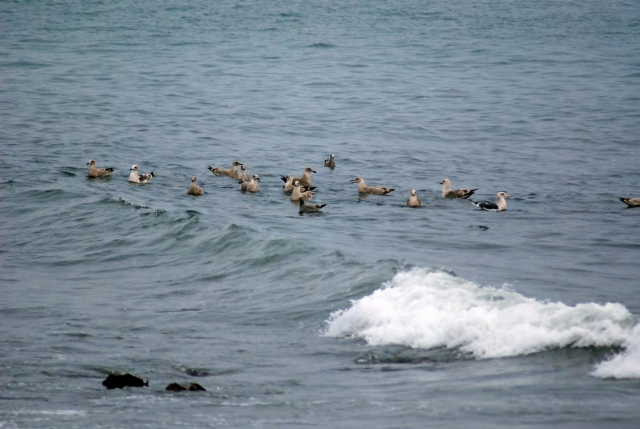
<point>426,309</point>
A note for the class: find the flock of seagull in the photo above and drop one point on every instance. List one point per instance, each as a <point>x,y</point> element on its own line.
<point>300,189</point>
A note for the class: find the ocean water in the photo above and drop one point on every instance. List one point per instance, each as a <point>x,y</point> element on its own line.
<point>369,314</point>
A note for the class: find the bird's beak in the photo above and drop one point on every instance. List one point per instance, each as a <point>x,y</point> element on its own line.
<point>352,181</point>
<point>313,171</point>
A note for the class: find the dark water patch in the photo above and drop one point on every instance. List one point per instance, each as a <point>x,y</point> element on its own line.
<point>321,46</point>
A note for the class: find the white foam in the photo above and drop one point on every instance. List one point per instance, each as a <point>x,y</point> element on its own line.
<point>424,309</point>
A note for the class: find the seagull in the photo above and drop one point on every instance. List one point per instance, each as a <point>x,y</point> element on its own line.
<point>250,185</point>
<point>288,184</point>
<point>364,189</point>
<point>456,193</point>
<point>139,178</point>
<point>243,173</point>
<point>194,189</point>
<point>498,206</point>
<point>299,193</point>
<point>309,208</point>
<point>414,201</point>
<point>631,202</point>
<point>331,162</point>
<point>233,173</point>
<point>305,180</point>
<point>98,172</point>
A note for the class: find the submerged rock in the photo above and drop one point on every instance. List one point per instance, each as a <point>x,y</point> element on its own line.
<point>118,381</point>
<point>193,387</point>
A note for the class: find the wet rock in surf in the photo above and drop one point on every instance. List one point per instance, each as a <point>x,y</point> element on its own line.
<point>192,387</point>
<point>118,381</point>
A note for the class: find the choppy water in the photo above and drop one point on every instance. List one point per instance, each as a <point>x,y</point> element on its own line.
<point>370,314</point>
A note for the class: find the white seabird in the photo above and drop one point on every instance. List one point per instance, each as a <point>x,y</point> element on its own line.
<point>498,206</point>
<point>139,178</point>
<point>194,189</point>
<point>98,172</point>
<point>456,193</point>
<point>414,201</point>
<point>364,189</point>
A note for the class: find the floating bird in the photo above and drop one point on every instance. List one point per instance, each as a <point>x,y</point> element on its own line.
<point>98,172</point>
<point>305,180</point>
<point>631,202</point>
<point>233,173</point>
<point>414,201</point>
<point>331,162</point>
<point>194,189</point>
<point>139,178</point>
<point>498,206</point>
<point>299,193</point>
<point>456,193</point>
<point>288,185</point>
<point>364,189</point>
<point>309,208</point>
<point>243,173</point>
<point>250,185</point>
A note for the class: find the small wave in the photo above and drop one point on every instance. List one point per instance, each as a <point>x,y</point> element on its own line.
<point>321,45</point>
<point>426,309</point>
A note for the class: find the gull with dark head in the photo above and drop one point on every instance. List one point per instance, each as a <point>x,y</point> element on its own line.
<point>364,189</point>
<point>499,206</point>
<point>309,208</point>
<point>134,177</point>
<point>98,172</point>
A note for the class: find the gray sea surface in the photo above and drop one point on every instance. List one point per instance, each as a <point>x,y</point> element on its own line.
<point>368,314</point>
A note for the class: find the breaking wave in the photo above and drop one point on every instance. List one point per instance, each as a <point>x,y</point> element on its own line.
<point>428,309</point>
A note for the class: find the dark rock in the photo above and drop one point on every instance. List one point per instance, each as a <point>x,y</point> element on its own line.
<point>175,387</point>
<point>193,387</point>
<point>118,381</point>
